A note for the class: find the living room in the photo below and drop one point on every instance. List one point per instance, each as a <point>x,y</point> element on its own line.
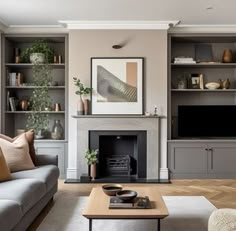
<point>177,63</point>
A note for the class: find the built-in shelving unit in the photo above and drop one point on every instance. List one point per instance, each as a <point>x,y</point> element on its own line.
<point>195,157</point>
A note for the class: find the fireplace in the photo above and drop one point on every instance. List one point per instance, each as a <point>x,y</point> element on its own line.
<point>122,154</point>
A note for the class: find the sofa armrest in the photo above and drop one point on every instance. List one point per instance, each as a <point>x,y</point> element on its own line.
<point>47,159</point>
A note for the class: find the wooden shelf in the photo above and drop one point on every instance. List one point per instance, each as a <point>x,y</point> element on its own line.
<point>26,112</point>
<point>33,87</point>
<point>204,90</point>
<point>30,65</point>
<point>196,65</point>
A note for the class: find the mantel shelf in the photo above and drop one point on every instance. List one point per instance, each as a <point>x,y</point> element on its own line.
<point>116,116</point>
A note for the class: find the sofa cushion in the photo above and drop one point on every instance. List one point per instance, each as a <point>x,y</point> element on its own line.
<point>16,153</point>
<point>25,192</point>
<point>10,214</point>
<point>30,138</point>
<point>4,170</point>
<point>48,174</point>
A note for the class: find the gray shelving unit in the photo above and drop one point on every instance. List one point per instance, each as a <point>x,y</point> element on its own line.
<point>197,158</point>
<point>13,120</point>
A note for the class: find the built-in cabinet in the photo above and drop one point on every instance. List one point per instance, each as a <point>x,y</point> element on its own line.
<point>192,157</point>
<point>21,87</point>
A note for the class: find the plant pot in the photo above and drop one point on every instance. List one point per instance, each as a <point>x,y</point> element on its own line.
<point>37,58</point>
<point>80,107</point>
<point>93,171</point>
<point>86,106</point>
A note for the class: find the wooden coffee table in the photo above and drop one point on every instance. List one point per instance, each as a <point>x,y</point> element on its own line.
<point>98,206</point>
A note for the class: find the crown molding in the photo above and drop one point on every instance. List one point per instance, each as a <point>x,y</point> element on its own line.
<point>119,25</point>
<point>182,28</point>
<point>3,25</point>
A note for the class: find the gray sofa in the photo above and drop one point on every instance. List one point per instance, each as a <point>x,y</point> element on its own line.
<point>24,197</point>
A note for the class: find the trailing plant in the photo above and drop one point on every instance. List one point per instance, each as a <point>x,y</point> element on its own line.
<point>91,156</point>
<point>82,90</point>
<point>38,46</point>
<point>40,99</point>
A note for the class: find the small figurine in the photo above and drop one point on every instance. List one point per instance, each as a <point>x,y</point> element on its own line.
<point>155,111</point>
<point>226,84</point>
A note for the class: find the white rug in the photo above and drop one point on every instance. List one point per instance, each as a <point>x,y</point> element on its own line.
<point>186,213</point>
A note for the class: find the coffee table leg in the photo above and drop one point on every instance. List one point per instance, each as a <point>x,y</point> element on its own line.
<point>90,224</point>
<point>158,225</point>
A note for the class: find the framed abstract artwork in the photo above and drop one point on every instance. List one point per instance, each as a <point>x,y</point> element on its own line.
<point>117,85</point>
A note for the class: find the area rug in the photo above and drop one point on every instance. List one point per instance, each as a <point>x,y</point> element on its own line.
<point>186,213</point>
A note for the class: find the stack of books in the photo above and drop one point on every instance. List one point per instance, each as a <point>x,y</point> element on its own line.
<point>184,60</point>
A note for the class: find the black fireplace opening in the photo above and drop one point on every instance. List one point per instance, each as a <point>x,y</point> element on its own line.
<point>121,154</point>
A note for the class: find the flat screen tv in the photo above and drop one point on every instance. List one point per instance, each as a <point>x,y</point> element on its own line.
<point>207,121</point>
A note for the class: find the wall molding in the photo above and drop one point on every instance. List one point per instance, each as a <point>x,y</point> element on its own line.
<point>164,173</point>
<point>71,173</point>
<point>122,25</point>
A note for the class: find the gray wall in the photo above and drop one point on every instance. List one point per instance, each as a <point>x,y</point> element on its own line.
<point>150,44</point>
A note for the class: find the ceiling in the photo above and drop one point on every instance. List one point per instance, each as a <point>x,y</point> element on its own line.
<point>50,12</point>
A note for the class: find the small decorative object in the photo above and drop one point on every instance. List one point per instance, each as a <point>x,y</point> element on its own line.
<point>155,111</point>
<point>82,91</point>
<point>227,56</point>
<point>57,130</point>
<point>57,107</point>
<point>17,55</point>
<point>37,58</point>
<point>147,113</point>
<point>226,84</point>
<point>212,85</point>
<point>201,81</point>
<point>111,189</point>
<point>181,84</point>
<point>221,83</point>
<point>24,105</point>
<point>86,106</point>
<point>126,195</point>
<point>59,59</point>
<point>118,85</point>
<point>195,81</point>
<point>92,160</point>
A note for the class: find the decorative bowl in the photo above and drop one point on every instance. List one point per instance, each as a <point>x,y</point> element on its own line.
<point>212,85</point>
<point>111,189</point>
<point>126,195</point>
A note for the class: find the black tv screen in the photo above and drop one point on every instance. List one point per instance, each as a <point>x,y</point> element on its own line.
<point>207,121</point>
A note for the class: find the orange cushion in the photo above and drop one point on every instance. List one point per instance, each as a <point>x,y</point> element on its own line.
<point>4,170</point>
<point>30,138</point>
<point>16,153</point>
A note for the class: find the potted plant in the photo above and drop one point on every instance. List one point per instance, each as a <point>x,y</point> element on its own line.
<point>40,101</point>
<point>39,52</point>
<point>83,104</point>
<point>92,159</point>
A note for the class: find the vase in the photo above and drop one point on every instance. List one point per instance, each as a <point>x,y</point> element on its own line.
<point>80,106</point>
<point>86,106</point>
<point>37,58</point>
<point>226,84</point>
<point>227,56</point>
<point>57,131</point>
<point>93,171</point>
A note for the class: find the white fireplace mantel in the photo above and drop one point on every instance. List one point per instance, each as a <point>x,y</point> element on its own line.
<point>150,124</point>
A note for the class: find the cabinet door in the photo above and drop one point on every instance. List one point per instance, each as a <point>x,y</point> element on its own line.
<point>187,160</point>
<point>53,149</point>
<point>222,159</point>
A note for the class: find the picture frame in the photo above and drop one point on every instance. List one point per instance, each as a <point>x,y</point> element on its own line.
<point>117,84</point>
<point>196,81</point>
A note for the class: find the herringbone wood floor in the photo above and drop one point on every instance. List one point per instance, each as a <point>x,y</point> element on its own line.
<point>221,193</point>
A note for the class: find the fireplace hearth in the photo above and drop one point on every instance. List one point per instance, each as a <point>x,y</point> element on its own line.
<point>122,154</point>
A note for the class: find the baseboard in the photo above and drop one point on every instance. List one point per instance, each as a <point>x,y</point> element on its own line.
<point>164,173</point>
<point>71,173</point>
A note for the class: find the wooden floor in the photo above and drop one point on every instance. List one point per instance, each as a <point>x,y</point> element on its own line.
<point>221,193</point>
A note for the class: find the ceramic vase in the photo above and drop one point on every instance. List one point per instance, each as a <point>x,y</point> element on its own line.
<point>93,171</point>
<point>227,56</point>
<point>86,106</point>
<point>80,106</point>
<point>57,131</point>
<point>226,84</point>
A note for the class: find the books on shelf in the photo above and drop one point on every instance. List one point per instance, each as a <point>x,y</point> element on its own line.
<point>182,60</point>
<point>12,103</point>
<point>15,79</point>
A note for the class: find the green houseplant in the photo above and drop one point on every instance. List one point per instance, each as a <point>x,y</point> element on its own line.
<point>83,104</point>
<point>91,157</point>
<point>39,52</point>
<point>40,101</point>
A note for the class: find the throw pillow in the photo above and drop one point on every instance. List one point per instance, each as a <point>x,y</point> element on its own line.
<point>4,170</point>
<point>30,138</point>
<point>17,154</point>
